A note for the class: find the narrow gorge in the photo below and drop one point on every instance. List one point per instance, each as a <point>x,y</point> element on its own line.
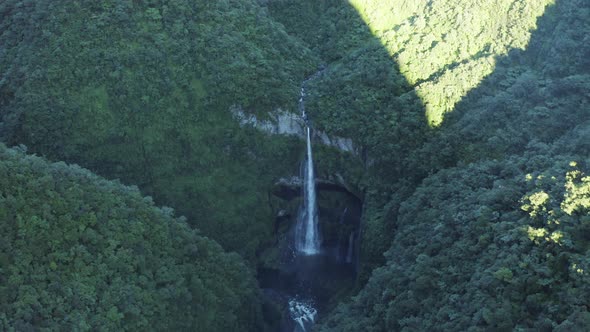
<point>310,263</point>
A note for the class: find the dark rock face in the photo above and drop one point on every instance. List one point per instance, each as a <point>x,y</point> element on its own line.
<point>339,216</point>
<point>283,122</point>
<point>288,188</point>
<point>291,188</point>
<point>318,277</point>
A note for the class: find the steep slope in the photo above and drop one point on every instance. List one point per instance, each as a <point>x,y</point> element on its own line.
<point>79,252</point>
<point>395,70</point>
<point>141,91</point>
<point>488,246</point>
<point>498,241</point>
<point>444,48</point>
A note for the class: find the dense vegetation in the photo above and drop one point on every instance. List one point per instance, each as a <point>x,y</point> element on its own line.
<point>487,246</point>
<point>82,253</point>
<point>140,91</point>
<point>470,121</point>
<point>394,71</point>
<point>497,237</point>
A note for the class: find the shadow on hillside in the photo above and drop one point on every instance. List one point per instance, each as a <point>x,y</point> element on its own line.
<point>363,95</point>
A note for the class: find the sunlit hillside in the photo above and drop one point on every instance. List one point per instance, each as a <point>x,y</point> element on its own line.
<point>445,48</point>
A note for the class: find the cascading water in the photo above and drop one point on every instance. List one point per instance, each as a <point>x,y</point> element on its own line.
<point>313,267</point>
<point>307,236</point>
<point>350,247</point>
<point>343,215</point>
<point>303,314</point>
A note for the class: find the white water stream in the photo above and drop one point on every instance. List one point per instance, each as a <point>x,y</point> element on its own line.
<point>307,235</point>
<point>303,314</point>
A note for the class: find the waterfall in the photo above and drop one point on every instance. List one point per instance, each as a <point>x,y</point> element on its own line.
<point>307,236</point>
<point>343,215</point>
<point>350,247</point>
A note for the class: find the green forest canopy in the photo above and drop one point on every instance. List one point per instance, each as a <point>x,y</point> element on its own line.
<point>81,253</point>
<point>140,91</point>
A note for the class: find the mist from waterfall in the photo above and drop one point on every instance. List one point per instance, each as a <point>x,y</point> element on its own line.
<point>350,248</point>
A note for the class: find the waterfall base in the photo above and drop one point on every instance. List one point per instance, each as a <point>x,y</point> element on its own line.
<point>304,287</point>
<point>303,313</point>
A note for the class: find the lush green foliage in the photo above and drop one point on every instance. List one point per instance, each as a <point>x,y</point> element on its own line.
<point>361,94</point>
<point>393,69</point>
<point>80,253</point>
<point>483,216</point>
<point>141,91</point>
<point>500,240</point>
<point>476,250</point>
<point>445,48</point>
